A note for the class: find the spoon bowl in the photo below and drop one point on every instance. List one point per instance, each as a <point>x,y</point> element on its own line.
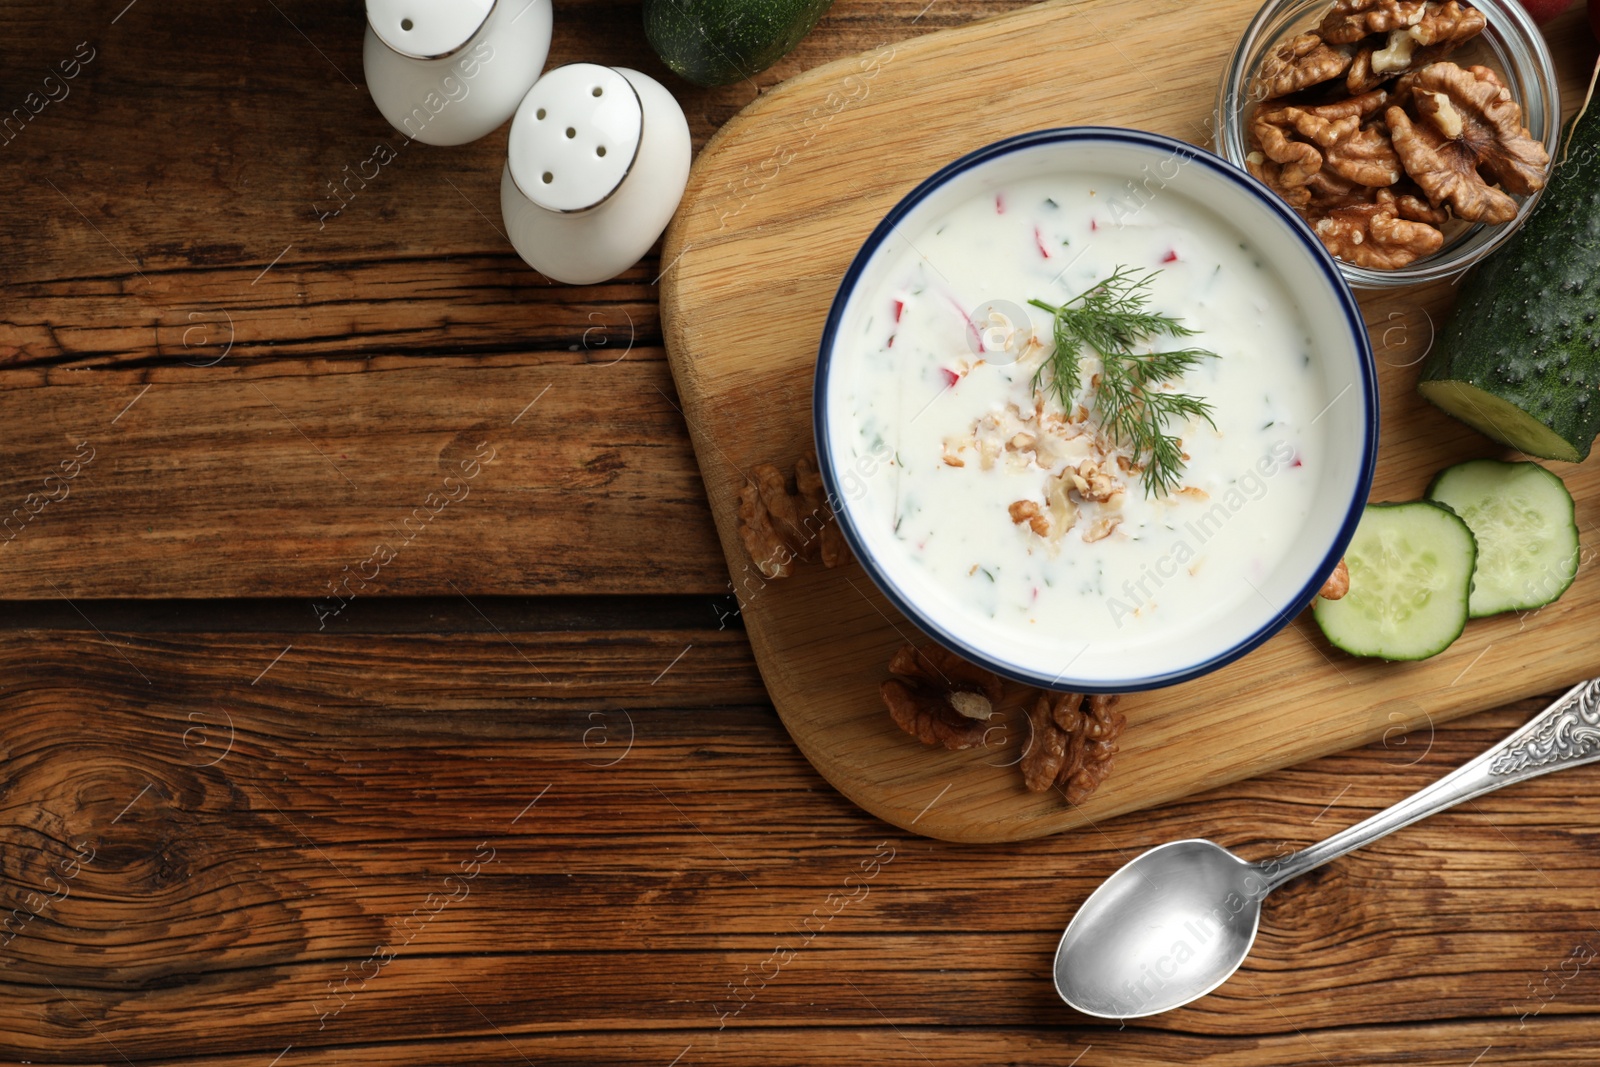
<point>1168,927</point>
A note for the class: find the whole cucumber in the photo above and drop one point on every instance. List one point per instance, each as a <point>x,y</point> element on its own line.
<point>718,42</point>
<point>1519,358</point>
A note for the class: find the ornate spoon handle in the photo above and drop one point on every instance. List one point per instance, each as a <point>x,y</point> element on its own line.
<point>1566,734</point>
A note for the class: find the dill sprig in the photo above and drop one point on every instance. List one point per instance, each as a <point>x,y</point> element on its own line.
<point>1111,317</point>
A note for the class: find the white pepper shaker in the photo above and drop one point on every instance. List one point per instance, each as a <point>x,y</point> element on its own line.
<point>598,158</point>
<point>445,72</point>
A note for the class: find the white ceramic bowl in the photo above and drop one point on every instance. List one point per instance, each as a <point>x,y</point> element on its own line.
<point>1341,356</point>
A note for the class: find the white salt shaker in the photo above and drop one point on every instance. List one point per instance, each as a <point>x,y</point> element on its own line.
<point>598,160</point>
<point>446,72</point>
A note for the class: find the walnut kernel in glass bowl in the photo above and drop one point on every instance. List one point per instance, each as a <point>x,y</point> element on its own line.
<point>1413,135</point>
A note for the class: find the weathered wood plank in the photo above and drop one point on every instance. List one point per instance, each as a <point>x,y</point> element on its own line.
<point>199,187</point>
<point>306,310</point>
<point>1542,1041</point>
<point>558,478</point>
<point>192,208</point>
<point>362,768</point>
<point>453,614</point>
<point>231,883</point>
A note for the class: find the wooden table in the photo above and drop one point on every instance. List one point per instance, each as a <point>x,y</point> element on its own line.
<point>511,791</point>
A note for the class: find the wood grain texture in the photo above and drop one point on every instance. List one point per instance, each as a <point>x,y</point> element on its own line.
<point>197,149</point>
<point>1564,1041</point>
<point>170,221</point>
<point>265,480</point>
<point>278,858</point>
<point>192,210</point>
<point>814,165</point>
<point>1541,1042</point>
<point>270,804</point>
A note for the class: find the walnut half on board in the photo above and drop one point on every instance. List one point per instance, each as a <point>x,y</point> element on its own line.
<point>939,698</point>
<point>1073,744</point>
<point>1338,583</point>
<point>779,525</point>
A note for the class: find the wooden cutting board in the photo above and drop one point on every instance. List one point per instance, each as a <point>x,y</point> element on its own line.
<point>778,203</point>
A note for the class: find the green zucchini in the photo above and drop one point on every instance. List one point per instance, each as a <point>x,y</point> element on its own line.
<point>1519,358</point>
<point>1522,518</point>
<point>1410,580</point>
<point>719,42</point>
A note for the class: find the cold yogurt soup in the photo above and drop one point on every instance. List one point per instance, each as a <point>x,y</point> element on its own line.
<point>1012,504</point>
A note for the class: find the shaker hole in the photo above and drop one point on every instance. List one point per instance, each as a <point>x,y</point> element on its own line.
<point>571,133</point>
<point>596,91</point>
<point>406,24</point>
<point>601,151</point>
<point>539,114</point>
<point>547,177</point>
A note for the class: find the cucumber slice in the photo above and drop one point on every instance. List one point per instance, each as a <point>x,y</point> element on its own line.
<point>1522,518</point>
<point>1410,579</point>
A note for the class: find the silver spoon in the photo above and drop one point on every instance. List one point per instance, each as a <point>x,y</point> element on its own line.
<point>1176,922</point>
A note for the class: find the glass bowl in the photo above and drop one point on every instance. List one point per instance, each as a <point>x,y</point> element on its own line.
<point>1511,45</point>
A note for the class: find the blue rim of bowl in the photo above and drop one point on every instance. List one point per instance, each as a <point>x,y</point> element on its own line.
<point>1171,146</point>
